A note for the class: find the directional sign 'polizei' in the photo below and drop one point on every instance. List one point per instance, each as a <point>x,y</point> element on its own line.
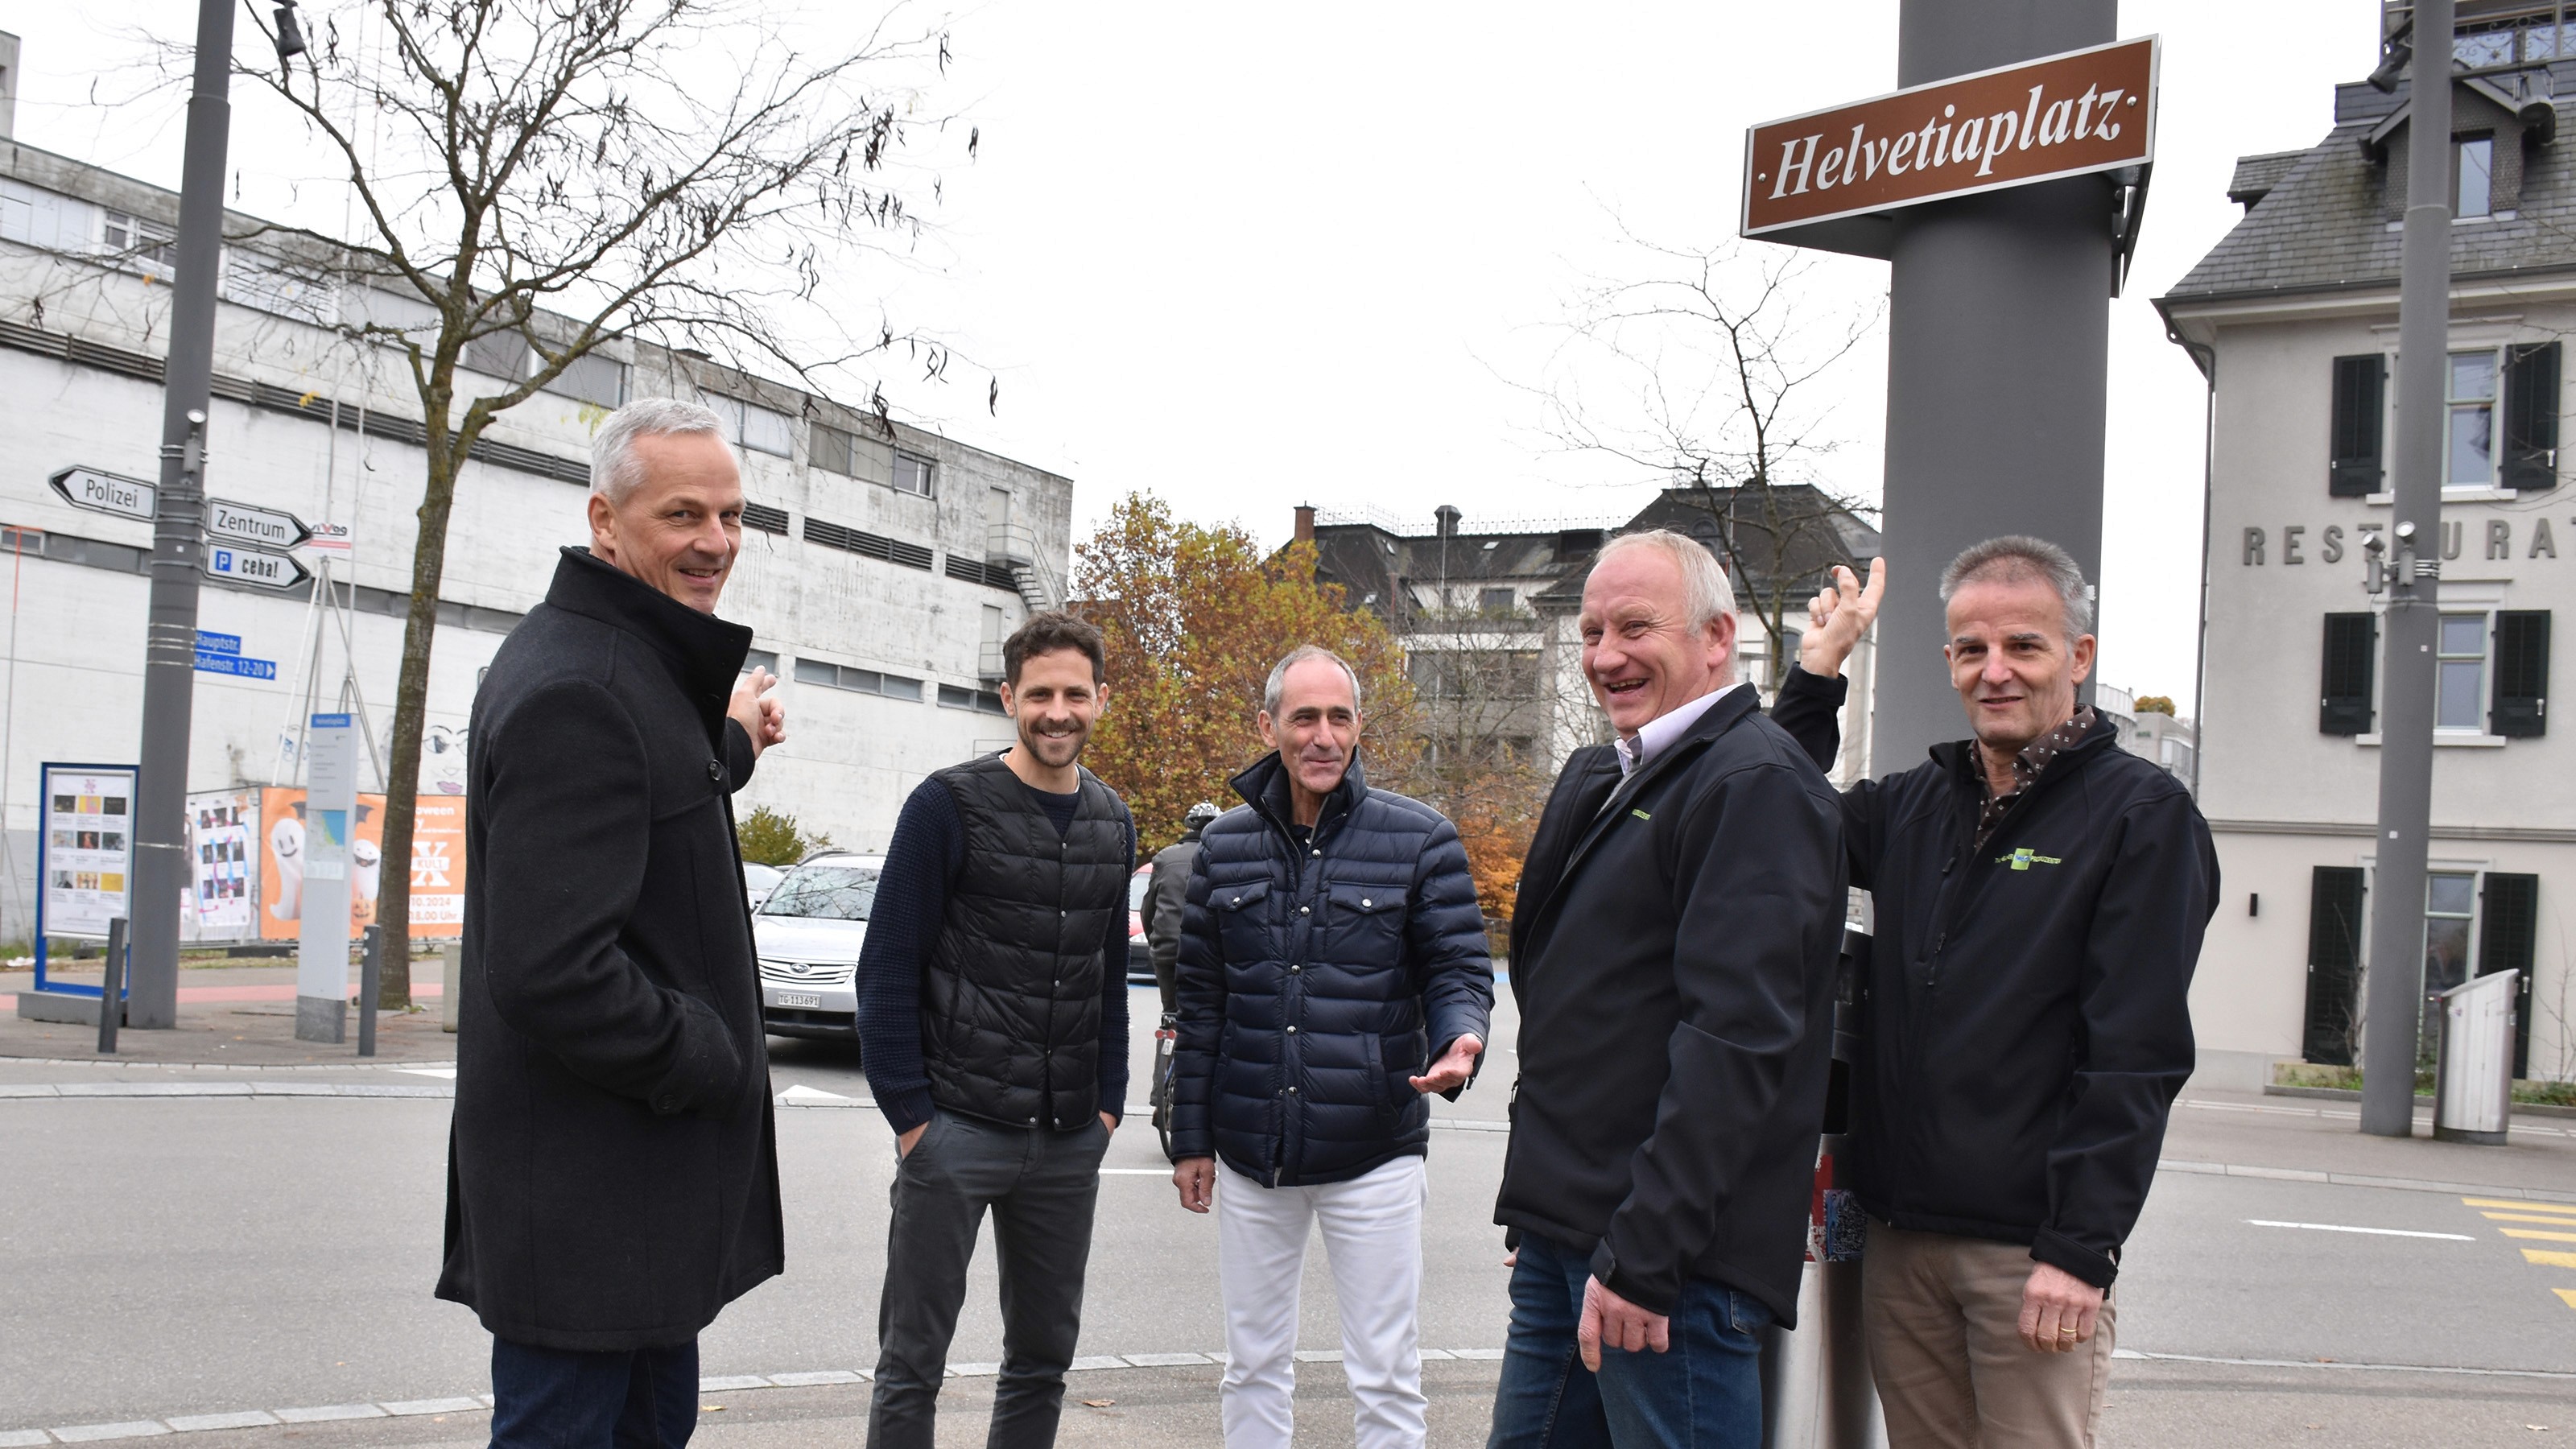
<point>106,492</point>
<point>251,566</point>
<point>264,527</point>
<point>2062,115</point>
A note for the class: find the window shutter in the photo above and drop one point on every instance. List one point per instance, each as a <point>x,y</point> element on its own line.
<point>2334,964</point>
<point>2360,390</point>
<point>2531,416</point>
<point>2521,707</point>
<point>2508,928</point>
<point>2351,649</point>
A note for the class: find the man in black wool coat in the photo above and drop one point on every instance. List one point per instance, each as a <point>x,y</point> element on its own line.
<point>612,1169</point>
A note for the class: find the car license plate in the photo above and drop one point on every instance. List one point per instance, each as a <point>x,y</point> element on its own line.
<point>799,998</point>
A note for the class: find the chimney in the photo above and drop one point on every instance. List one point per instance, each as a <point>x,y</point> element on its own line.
<point>1445,520</point>
<point>1305,523</point>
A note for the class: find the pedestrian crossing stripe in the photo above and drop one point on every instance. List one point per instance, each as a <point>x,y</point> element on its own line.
<point>2526,1218</point>
<point>2509,1202</point>
<point>2549,1259</point>
<point>2536,1233</point>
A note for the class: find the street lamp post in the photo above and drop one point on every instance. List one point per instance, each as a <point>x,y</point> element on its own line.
<point>170,641</point>
<point>2395,993</point>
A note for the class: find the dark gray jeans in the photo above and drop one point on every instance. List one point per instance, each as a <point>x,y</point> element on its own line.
<point>1041,1186</point>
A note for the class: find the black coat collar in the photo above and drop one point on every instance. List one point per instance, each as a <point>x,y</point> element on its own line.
<point>1960,761</point>
<point>1264,786</point>
<point>706,653</point>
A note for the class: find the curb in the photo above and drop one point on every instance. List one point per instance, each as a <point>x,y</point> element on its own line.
<point>2354,1179</point>
<point>2422,1099</point>
<point>712,1384</point>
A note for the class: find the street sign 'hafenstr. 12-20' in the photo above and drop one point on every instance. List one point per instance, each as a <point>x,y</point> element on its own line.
<point>2062,115</point>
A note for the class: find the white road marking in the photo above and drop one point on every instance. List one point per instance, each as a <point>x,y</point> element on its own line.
<point>2375,1232</point>
<point>447,1073</point>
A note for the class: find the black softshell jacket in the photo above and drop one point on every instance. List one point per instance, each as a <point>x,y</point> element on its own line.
<point>2025,1022</point>
<point>1674,949</point>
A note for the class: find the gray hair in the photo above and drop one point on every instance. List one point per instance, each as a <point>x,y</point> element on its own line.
<point>614,468</point>
<point>2016,557</point>
<point>1704,587</point>
<point>1279,675</point>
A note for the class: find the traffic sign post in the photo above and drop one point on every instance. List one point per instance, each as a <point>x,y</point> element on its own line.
<point>252,566</point>
<point>107,493</point>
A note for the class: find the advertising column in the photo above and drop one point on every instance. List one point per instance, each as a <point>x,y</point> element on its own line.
<point>329,827</point>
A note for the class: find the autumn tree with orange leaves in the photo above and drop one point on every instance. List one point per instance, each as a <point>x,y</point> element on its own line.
<point>1194,617</point>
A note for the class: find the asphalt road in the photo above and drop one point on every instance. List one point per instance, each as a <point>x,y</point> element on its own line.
<point>196,1255</point>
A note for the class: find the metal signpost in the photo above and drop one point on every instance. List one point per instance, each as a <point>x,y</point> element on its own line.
<point>170,639</point>
<point>2003,182</point>
<point>323,842</point>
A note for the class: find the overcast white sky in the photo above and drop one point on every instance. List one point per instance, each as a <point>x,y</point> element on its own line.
<point>1251,256</point>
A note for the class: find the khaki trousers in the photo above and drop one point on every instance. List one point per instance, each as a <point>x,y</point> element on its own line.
<point>1943,1316</point>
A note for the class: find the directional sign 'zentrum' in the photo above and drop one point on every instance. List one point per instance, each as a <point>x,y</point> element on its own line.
<point>253,567</point>
<point>264,527</point>
<point>2063,115</point>
<point>106,492</point>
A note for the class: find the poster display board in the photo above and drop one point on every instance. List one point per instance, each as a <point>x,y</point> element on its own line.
<point>84,856</point>
<point>223,873</point>
<point>437,865</point>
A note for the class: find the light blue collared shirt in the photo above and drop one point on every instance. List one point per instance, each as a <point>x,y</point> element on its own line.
<point>1657,734</point>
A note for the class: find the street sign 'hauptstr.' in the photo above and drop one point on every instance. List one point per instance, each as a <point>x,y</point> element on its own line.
<point>2062,115</point>
<point>106,492</point>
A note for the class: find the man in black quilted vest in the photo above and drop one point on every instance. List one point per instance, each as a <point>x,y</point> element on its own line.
<point>993,1022</point>
<point>1333,972</point>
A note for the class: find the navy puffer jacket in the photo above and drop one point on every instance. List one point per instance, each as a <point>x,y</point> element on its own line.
<point>1316,979</point>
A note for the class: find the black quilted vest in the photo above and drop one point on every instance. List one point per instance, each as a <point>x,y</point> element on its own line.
<point>1010,1019</point>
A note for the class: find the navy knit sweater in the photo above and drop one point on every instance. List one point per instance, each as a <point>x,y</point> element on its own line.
<point>929,848</point>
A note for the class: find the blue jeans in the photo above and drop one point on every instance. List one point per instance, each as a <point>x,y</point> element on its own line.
<point>554,1398</point>
<point>1705,1392</point>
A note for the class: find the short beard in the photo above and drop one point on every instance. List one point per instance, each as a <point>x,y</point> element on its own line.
<point>1032,742</point>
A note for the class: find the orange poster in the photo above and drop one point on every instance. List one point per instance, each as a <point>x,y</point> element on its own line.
<point>437,865</point>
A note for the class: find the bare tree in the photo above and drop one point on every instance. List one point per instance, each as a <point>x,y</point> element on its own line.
<point>539,177</point>
<point>1722,378</point>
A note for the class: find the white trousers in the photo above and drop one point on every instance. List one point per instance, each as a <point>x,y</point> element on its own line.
<point>1373,1240</point>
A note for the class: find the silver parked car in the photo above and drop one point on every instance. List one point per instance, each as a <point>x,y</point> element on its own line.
<point>808,934</point>
<point>759,880</point>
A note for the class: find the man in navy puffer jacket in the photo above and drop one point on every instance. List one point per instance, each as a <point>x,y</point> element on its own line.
<point>1333,973</point>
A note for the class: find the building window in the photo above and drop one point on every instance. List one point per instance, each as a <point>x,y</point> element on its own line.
<point>836,450</point>
<point>760,659</point>
<point>760,429</point>
<point>148,244</point>
<point>2471,459</point>
<point>912,474</point>
<point>2450,909</point>
<point>2460,697</point>
<point>982,701</point>
<point>1495,601</point>
<point>858,681</point>
<point>2473,194</point>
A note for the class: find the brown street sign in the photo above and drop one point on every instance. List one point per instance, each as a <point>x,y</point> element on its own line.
<point>2062,115</point>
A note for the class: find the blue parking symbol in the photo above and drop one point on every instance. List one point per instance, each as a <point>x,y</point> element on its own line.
<point>223,560</point>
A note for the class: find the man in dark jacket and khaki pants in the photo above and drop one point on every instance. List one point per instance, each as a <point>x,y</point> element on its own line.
<point>612,1173</point>
<point>1673,952</point>
<point>2025,1022</point>
<point>1333,972</point>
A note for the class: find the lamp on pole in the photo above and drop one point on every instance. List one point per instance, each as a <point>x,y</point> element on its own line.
<point>2410,577</point>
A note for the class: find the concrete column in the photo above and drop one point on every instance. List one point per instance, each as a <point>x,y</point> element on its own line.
<point>1997,344</point>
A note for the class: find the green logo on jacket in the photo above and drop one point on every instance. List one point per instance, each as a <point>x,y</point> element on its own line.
<point>2023,858</point>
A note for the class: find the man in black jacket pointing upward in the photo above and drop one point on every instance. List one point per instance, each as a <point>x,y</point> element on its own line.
<point>2040,898</point>
<point>1673,953</point>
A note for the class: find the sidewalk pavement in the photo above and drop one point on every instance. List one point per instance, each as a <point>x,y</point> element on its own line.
<point>228,1017</point>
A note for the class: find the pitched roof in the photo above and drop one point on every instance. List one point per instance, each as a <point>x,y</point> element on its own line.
<point>2319,221</point>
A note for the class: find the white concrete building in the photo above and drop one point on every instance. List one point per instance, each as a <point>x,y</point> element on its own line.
<point>882,564</point>
<point>2293,317</point>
